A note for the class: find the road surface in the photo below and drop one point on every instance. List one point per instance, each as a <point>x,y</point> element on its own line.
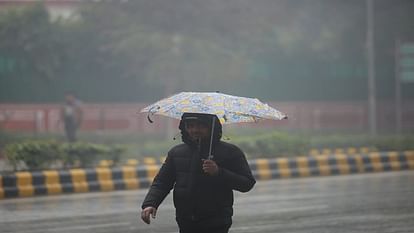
<point>366,203</point>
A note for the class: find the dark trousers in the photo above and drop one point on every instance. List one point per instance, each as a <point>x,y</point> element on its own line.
<point>210,225</point>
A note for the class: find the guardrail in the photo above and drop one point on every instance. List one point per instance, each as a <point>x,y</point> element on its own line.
<point>51,182</point>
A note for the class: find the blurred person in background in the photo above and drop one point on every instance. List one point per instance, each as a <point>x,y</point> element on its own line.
<point>203,187</point>
<point>71,114</point>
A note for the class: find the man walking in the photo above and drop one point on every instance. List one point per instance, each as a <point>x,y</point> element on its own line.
<point>203,187</point>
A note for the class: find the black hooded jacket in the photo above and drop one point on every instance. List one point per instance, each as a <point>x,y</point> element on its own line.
<point>198,195</point>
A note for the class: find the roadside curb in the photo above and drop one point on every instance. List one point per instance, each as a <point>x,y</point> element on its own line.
<point>52,182</point>
<point>336,164</point>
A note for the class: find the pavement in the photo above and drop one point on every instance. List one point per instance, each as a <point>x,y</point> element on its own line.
<point>358,203</point>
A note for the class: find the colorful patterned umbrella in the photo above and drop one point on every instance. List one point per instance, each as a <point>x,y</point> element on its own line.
<point>228,108</point>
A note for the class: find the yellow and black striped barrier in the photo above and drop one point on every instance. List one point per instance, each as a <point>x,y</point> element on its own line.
<point>134,162</point>
<point>25,184</point>
<point>336,164</point>
<point>312,152</point>
<point>51,182</point>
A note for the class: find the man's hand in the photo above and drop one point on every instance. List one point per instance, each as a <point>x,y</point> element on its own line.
<point>210,167</point>
<point>147,213</point>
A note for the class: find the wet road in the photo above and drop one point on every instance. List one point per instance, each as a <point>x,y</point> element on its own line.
<point>380,202</point>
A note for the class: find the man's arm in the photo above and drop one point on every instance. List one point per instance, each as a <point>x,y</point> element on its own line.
<point>160,187</point>
<point>239,177</point>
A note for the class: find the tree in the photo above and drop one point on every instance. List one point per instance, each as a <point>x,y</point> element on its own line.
<point>30,39</point>
<point>142,50</point>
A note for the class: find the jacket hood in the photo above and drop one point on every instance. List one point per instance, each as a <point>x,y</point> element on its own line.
<point>202,117</point>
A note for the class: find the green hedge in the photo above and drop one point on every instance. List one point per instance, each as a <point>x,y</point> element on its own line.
<point>34,154</point>
<point>276,144</point>
<point>380,142</point>
<point>37,154</point>
<point>43,153</point>
<point>393,143</point>
<point>284,144</point>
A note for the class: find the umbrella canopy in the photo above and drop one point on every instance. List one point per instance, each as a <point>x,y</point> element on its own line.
<point>228,108</point>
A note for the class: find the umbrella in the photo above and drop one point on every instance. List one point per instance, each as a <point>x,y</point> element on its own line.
<point>228,108</point>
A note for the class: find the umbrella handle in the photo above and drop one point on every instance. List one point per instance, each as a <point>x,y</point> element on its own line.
<point>149,119</point>
<point>151,112</point>
<point>210,156</point>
